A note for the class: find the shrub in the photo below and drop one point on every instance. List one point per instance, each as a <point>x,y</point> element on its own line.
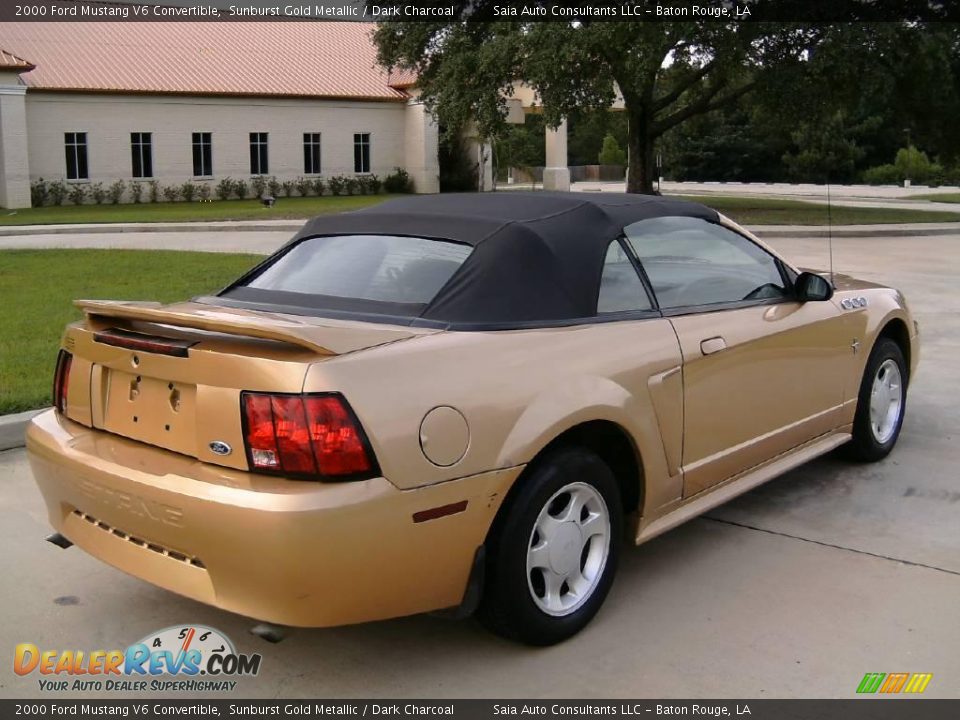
<point>398,182</point>
<point>154,191</point>
<point>58,192</point>
<point>610,153</point>
<point>258,184</point>
<point>353,186</point>
<point>136,191</point>
<point>115,191</point>
<point>240,188</point>
<point>363,184</point>
<point>188,191</point>
<point>319,186</point>
<point>203,191</point>
<point>337,184</point>
<point>374,184</point>
<point>97,193</point>
<point>39,192</point>
<point>77,194</point>
<point>273,186</point>
<point>224,188</point>
<point>288,187</point>
<point>937,175</point>
<point>951,175</point>
<point>913,164</point>
<point>303,186</point>
<point>171,193</point>
<point>881,175</point>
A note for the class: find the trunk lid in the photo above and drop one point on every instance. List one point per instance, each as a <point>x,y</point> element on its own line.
<point>171,376</point>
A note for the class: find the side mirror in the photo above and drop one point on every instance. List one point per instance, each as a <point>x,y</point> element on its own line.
<point>810,287</point>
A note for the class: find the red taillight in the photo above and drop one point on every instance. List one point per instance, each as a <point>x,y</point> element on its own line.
<point>338,444</point>
<point>61,380</point>
<point>314,435</point>
<point>293,435</point>
<point>261,440</point>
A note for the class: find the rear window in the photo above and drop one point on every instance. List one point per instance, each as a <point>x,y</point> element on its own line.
<point>402,272</point>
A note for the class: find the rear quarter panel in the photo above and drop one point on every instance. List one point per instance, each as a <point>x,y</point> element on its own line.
<point>517,390</point>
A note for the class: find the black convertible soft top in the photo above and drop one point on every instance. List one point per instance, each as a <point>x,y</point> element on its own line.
<point>538,256</point>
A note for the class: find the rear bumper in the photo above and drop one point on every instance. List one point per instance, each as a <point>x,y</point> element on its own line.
<point>289,552</point>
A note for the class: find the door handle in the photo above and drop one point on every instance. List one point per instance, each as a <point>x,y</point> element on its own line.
<point>712,345</point>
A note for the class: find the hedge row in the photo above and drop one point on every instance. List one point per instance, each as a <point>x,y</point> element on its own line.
<point>56,192</point>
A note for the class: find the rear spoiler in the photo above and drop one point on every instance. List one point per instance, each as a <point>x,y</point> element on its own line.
<point>199,317</point>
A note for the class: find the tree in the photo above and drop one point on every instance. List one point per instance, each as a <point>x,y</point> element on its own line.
<point>610,153</point>
<point>828,150</point>
<point>861,91</point>
<point>864,91</point>
<point>521,145</point>
<point>586,131</point>
<point>666,72</point>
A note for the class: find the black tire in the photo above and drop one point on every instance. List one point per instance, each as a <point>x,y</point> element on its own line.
<point>866,446</point>
<point>508,607</point>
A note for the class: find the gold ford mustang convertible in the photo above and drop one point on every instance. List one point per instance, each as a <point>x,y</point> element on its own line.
<point>458,401</point>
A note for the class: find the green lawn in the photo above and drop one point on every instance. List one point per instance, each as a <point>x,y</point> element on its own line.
<point>938,197</point>
<point>749,211</point>
<point>37,289</point>
<point>769,211</point>
<point>286,208</point>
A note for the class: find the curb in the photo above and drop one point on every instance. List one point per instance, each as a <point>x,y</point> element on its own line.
<point>13,427</point>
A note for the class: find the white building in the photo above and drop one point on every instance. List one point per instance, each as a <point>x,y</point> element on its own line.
<point>175,101</point>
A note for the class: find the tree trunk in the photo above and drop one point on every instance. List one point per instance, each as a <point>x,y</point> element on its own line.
<point>640,146</point>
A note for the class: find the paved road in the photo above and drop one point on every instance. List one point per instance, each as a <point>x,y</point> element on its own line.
<point>793,590</point>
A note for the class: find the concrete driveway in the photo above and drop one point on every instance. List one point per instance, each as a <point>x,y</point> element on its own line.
<point>794,590</point>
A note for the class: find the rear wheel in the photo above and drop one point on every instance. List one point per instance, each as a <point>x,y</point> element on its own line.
<point>554,552</point>
<point>881,403</point>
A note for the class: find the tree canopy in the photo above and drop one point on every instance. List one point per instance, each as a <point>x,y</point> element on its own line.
<point>671,73</point>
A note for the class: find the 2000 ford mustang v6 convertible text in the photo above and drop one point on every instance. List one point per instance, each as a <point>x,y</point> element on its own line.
<point>458,401</point>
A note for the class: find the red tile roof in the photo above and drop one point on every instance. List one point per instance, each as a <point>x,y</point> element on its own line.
<point>9,61</point>
<point>298,59</point>
<point>402,79</point>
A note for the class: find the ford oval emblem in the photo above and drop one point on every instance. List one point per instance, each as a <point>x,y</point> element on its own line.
<point>220,447</point>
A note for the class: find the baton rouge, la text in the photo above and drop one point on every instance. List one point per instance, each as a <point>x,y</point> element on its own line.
<point>594,710</point>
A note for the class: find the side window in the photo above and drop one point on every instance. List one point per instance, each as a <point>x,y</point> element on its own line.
<point>620,286</point>
<point>695,262</point>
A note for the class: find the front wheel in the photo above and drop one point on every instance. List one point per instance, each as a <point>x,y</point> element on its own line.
<point>552,556</point>
<point>881,403</point>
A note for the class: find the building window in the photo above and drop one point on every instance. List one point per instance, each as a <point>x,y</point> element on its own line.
<point>202,154</point>
<point>141,155</point>
<point>76,147</point>
<point>361,152</point>
<point>258,154</point>
<point>311,153</point>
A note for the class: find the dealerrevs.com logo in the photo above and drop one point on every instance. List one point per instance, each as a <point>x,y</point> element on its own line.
<point>188,658</point>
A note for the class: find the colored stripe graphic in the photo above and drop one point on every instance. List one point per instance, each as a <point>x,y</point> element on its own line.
<point>894,683</point>
<point>871,682</point>
<point>918,682</point>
